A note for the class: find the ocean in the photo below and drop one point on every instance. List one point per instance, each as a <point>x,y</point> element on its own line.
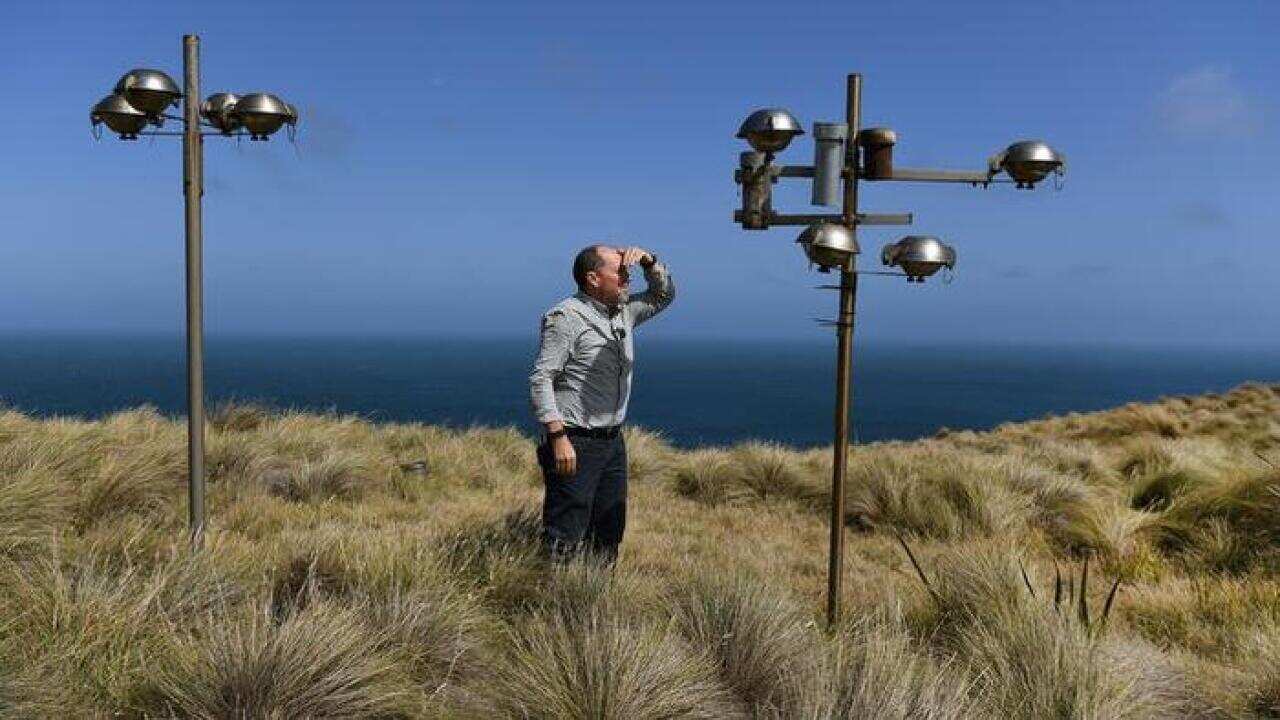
<point>695,392</point>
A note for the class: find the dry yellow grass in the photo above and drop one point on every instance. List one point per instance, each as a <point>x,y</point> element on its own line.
<point>335,583</point>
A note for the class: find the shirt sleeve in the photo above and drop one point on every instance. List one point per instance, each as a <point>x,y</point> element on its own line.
<point>656,297</point>
<point>554,346</point>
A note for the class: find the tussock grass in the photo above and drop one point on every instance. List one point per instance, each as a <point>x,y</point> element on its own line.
<point>134,480</point>
<point>933,492</point>
<point>231,417</point>
<point>440,634</point>
<point>603,667</point>
<point>95,633</point>
<point>705,475</point>
<point>877,670</point>
<point>333,475</point>
<point>1213,617</point>
<point>320,662</point>
<point>1229,524</point>
<point>649,457</point>
<point>763,645</point>
<point>1264,696</point>
<point>360,570</point>
<point>1035,659</point>
<point>31,511</point>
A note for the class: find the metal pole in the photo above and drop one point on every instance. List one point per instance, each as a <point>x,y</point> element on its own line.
<point>844,356</point>
<point>193,192</point>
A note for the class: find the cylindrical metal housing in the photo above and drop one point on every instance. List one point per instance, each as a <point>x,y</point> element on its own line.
<point>877,158</point>
<point>828,162</point>
<point>757,190</point>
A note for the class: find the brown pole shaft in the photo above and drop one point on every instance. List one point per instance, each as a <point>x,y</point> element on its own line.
<point>193,192</point>
<point>844,355</point>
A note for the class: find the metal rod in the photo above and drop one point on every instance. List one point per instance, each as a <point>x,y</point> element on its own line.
<point>926,175</point>
<point>809,219</point>
<point>183,133</point>
<point>844,354</point>
<point>795,171</point>
<point>970,177</point>
<point>193,191</point>
<point>885,218</point>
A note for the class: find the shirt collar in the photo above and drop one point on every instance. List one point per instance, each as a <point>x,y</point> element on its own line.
<point>608,312</point>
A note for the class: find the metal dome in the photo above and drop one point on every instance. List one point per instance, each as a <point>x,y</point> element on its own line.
<point>769,130</point>
<point>150,91</point>
<point>919,256</point>
<point>262,114</point>
<point>116,113</point>
<point>829,245</point>
<point>1030,161</point>
<point>219,110</point>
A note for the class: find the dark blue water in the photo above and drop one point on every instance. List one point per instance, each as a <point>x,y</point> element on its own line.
<point>695,392</point>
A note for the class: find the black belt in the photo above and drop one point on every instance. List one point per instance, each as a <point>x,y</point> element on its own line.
<point>605,433</point>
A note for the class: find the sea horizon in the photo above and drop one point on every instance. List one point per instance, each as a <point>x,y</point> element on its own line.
<point>693,390</point>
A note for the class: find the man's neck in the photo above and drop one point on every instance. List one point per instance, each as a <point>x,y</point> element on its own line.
<point>609,310</point>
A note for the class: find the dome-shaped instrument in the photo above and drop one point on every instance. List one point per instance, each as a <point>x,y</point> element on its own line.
<point>919,256</point>
<point>150,91</point>
<point>770,130</point>
<point>219,110</point>
<point>829,245</point>
<point>1029,161</point>
<point>116,113</point>
<point>262,114</point>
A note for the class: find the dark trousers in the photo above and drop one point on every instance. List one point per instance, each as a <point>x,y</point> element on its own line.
<point>586,510</point>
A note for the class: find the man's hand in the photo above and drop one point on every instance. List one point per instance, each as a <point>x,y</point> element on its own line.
<point>565,456</point>
<point>633,255</point>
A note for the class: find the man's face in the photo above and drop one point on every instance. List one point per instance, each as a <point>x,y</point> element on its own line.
<point>611,281</point>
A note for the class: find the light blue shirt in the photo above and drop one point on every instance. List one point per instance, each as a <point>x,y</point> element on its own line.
<point>582,375</point>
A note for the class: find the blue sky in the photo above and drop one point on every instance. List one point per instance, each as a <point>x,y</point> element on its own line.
<point>453,156</point>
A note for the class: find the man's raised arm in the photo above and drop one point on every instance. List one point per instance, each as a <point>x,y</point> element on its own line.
<point>659,290</point>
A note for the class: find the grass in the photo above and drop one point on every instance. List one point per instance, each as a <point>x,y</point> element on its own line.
<point>359,570</point>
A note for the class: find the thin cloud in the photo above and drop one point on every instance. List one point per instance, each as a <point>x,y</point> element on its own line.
<point>1208,100</point>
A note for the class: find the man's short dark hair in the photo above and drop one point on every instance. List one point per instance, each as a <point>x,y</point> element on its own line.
<point>588,260</point>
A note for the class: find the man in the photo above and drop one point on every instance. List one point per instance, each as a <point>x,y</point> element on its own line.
<point>580,385</point>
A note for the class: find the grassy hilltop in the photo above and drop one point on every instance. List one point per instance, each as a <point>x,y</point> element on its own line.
<point>337,584</point>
